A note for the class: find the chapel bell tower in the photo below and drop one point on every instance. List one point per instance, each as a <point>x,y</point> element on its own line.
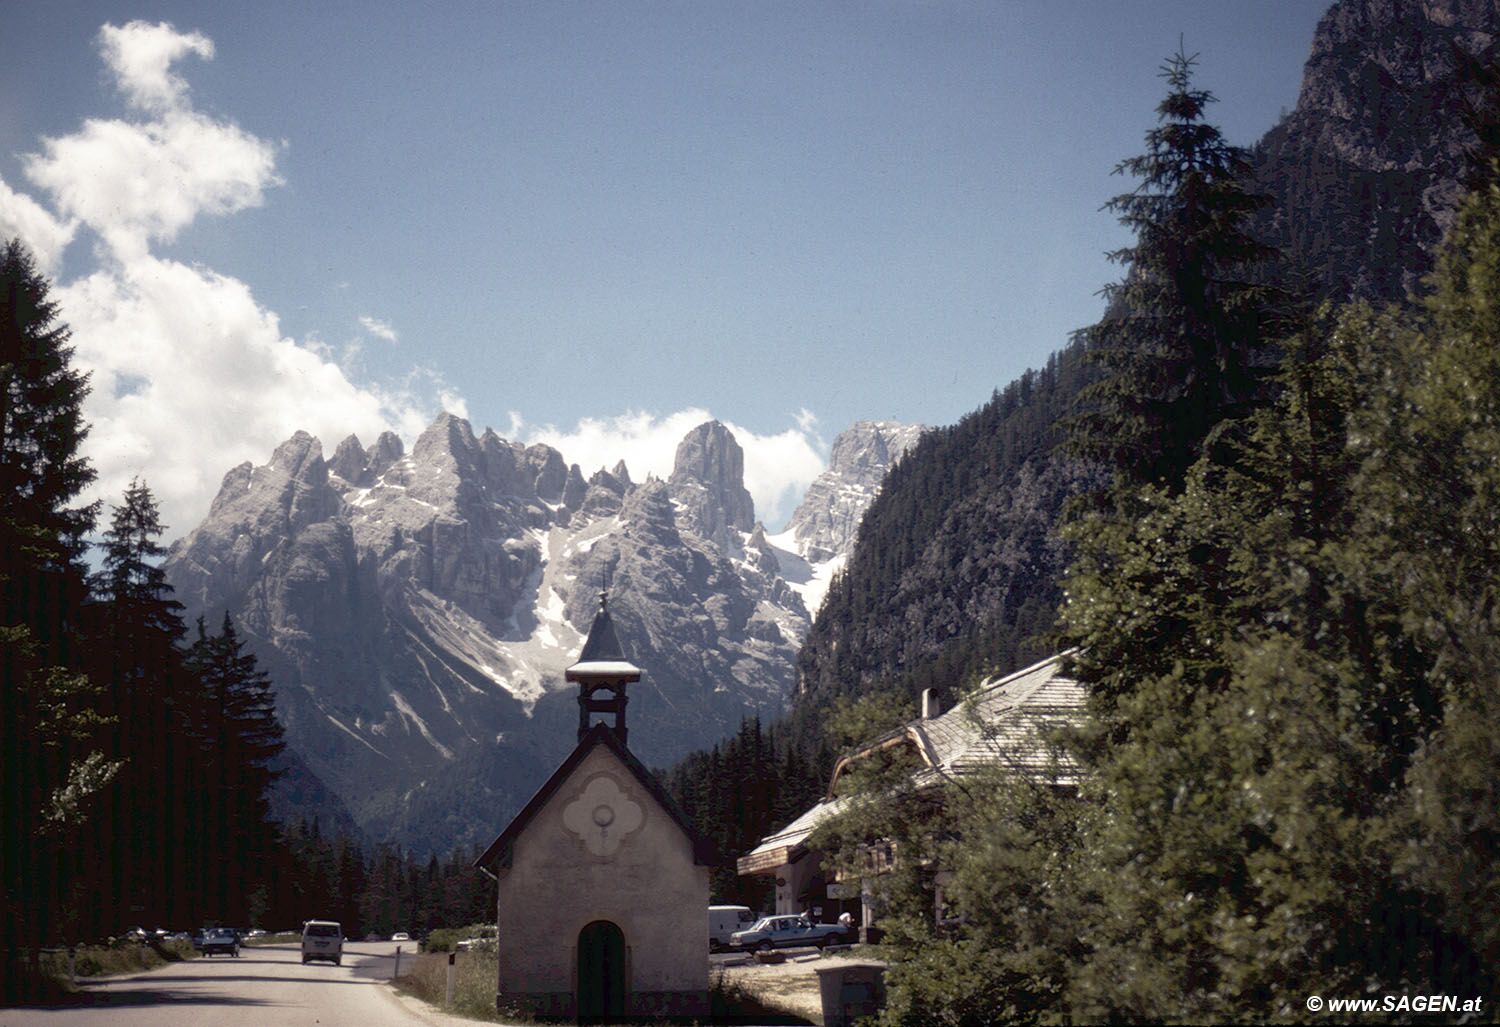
<point>602,672</point>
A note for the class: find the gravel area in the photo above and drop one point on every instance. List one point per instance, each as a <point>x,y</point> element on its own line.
<point>792,984</point>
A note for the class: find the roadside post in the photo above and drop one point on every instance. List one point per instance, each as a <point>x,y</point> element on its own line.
<point>448,1000</point>
<point>397,973</point>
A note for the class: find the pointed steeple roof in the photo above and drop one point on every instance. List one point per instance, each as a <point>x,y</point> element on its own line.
<point>603,658</point>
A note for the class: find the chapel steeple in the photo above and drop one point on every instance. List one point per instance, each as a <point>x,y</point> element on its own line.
<point>602,672</point>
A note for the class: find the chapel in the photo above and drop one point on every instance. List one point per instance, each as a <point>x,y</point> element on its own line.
<point>603,885</point>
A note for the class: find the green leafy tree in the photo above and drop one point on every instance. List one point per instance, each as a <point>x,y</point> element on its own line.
<point>1180,341</point>
<point>1428,495</point>
<point>1287,657</point>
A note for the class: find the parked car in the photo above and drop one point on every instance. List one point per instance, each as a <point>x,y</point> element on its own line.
<point>323,939</point>
<point>487,940</point>
<point>781,932</point>
<point>400,936</point>
<point>220,939</point>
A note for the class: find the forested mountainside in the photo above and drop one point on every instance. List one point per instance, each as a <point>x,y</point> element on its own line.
<point>1367,169</point>
<point>955,568</point>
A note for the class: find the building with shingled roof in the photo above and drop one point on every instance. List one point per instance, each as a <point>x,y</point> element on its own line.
<point>1005,722</point>
<point>602,884</point>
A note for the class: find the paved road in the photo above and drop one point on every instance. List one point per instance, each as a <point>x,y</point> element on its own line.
<point>267,986</point>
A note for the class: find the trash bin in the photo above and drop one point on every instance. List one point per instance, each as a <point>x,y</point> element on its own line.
<point>851,991</point>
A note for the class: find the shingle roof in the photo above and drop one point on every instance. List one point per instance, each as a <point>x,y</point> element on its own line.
<point>1005,722</point>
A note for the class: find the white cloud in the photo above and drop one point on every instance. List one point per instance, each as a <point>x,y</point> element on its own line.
<point>135,184</point>
<point>141,56</point>
<point>190,375</point>
<point>379,329</point>
<point>778,468</point>
<point>45,236</point>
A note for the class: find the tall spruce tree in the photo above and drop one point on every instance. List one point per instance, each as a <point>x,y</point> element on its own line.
<point>232,718</point>
<point>50,760</point>
<point>1179,341</point>
<point>138,625</point>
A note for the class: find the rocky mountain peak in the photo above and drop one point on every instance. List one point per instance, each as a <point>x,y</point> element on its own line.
<point>708,481</point>
<point>867,449</point>
<point>1367,169</point>
<point>349,460</point>
<point>826,523</point>
<point>387,450</point>
<point>417,611</point>
<point>300,458</point>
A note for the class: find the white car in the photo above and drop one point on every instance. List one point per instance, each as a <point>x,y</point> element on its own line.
<point>400,936</point>
<point>487,940</point>
<point>323,939</point>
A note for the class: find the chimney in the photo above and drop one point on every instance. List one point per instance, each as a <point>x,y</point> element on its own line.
<point>930,706</point>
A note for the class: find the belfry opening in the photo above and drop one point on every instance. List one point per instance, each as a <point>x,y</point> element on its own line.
<point>601,673</point>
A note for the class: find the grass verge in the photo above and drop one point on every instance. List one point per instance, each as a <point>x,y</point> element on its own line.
<point>475,973</point>
<point>474,977</point>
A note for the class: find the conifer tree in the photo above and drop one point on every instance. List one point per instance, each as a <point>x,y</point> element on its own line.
<point>1179,341</point>
<point>49,763</point>
<point>138,625</point>
<point>232,717</point>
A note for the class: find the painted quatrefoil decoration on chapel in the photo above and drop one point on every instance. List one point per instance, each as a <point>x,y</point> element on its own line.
<point>602,816</point>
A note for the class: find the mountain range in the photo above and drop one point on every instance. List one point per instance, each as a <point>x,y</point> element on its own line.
<point>417,610</point>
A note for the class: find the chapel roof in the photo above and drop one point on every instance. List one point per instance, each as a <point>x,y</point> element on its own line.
<point>705,852</point>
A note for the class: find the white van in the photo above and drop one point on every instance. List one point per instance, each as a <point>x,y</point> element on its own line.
<point>323,939</point>
<point>724,921</point>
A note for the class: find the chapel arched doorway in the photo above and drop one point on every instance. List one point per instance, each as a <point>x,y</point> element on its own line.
<point>601,972</point>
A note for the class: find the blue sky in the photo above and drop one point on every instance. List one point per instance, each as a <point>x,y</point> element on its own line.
<point>590,223</point>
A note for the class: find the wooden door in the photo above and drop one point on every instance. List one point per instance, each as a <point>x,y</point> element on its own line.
<point>601,972</point>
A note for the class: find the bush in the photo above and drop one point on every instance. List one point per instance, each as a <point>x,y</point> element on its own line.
<point>444,939</point>
<point>119,957</point>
